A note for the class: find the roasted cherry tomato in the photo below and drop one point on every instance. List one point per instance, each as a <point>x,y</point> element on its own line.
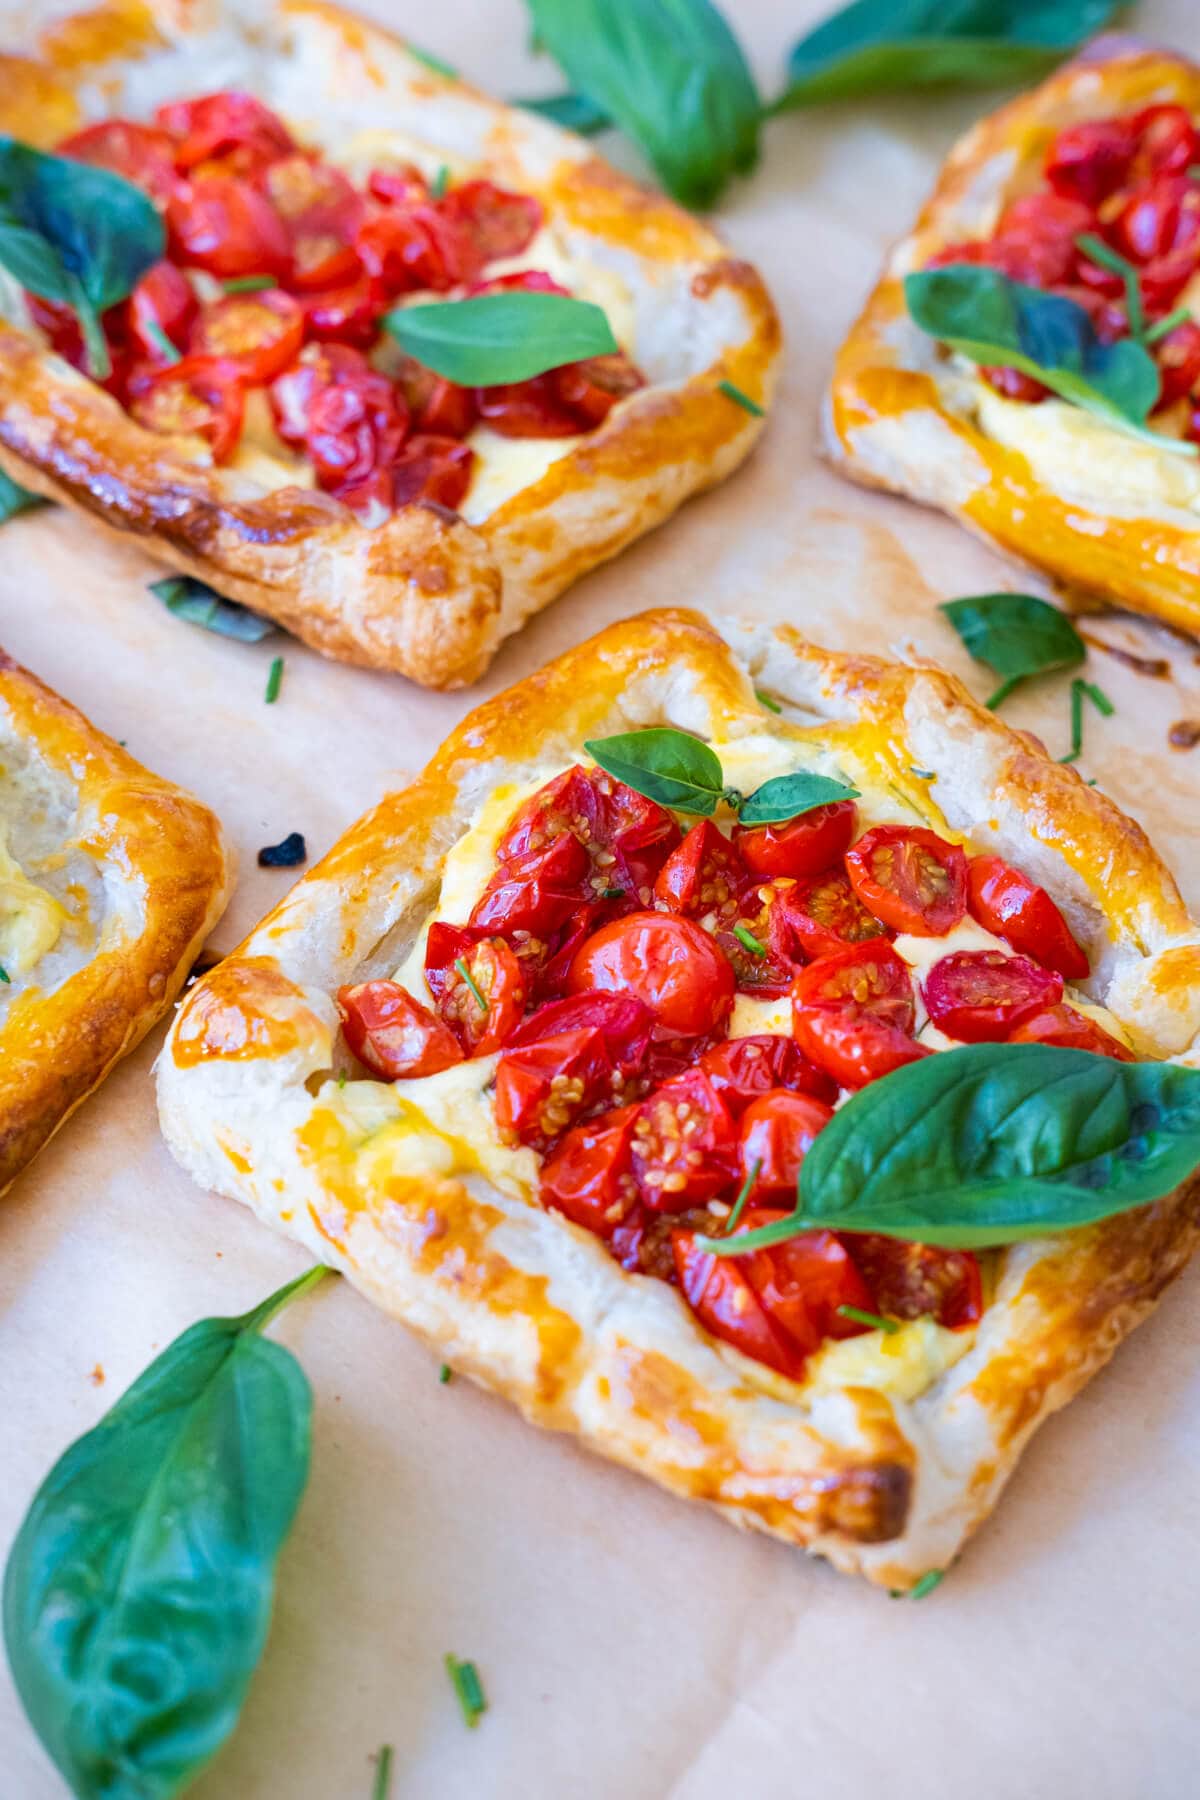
<point>666,961</point>
<point>754,941</point>
<point>523,409</point>
<point>981,996</point>
<point>684,1144</point>
<point>436,405</point>
<point>1014,908</point>
<point>589,1174</point>
<point>822,914</point>
<point>1090,161</point>
<point>806,845</point>
<point>852,1014</point>
<point>350,420</point>
<point>162,301</point>
<point>1035,239</point>
<point>229,124</point>
<point>344,315</point>
<point>201,395</point>
<point>589,390</point>
<point>914,1281</point>
<point>401,186</point>
<point>499,223</point>
<point>567,1059</point>
<point>1068,1029</point>
<point>624,1022</point>
<point>743,1069</point>
<point>702,875</point>
<point>492,971</point>
<point>1166,141</point>
<point>392,1034</point>
<point>321,211</point>
<point>436,469</point>
<point>910,878</point>
<point>227,227</point>
<point>138,152</point>
<point>417,248</point>
<point>776,1134</point>
<point>537,892</point>
<point>1159,227</point>
<point>627,837</point>
<point>261,333</point>
<point>1178,357</point>
<point>778,1305</point>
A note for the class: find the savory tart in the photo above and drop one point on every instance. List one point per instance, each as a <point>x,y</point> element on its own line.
<point>261,429</point>
<point>1083,190</point>
<point>110,879</point>
<point>531,1053</point>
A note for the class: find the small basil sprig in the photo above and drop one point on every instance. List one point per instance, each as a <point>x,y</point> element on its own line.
<point>990,1144</point>
<point>877,46</point>
<point>138,1592</point>
<point>75,234</point>
<point>193,600</point>
<point>671,74</point>
<point>684,773</point>
<point>991,320</point>
<point>1016,635</point>
<point>573,111</point>
<point>496,338</point>
<point>14,499</point>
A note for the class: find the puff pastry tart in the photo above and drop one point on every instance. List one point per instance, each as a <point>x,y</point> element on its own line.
<point>314,175</point>
<point>1080,188</point>
<point>513,1051</point>
<point>110,879</point>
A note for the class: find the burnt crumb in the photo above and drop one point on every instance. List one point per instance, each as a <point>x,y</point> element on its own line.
<point>286,855</point>
<point>1185,735</point>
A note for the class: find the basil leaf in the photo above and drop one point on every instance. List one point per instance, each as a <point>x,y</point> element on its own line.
<point>992,1143</point>
<point>666,765</point>
<point>138,1592</point>
<point>496,338</point>
<point>573,111</point>
<point>14,499</point>
<point>877,46</point>
<point>671,74</point>
<point>196,602</point>
<point>787,796</point>
<point>1016,635</point>
<point>33,262</point>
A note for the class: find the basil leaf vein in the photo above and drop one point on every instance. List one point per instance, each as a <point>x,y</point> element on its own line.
<point>1016,635</point>
<point>787,796</point>
<point>666,765</point>
<point>498,338</point>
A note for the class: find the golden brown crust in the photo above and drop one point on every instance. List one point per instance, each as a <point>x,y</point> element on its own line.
<point>165,872</point>
<point>533,1306</point>
<point>425,594</point>
<point>897,418</point>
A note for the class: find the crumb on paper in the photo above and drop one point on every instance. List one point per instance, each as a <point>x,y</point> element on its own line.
<point>97,1376</point>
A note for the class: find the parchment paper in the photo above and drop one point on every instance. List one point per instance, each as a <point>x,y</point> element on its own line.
<point>630,1645</point>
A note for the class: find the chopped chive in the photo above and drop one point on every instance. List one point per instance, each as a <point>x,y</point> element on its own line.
<point>740,399</point>
<point>922,774</point>
<point>1097,251</point>
<point>274,680</point>
<point>874,1320</point>
<point>748,941</point>
<point>445,1374</point>
<point>383,1773</point>
<point>341,1078</point>
<point>440,182</point>
<point>1080,691</point>
<point>249,284</point>
<point>162,343</point>
<point>766,700</point>
<point>1180,316</point>
<point>927,1584</point>
<point>5,977</point>
<point>468,1687</point>
<point>460,963</point>
<point>1003,691</point>
<point>1099,699</point>
<point>739,1205</point>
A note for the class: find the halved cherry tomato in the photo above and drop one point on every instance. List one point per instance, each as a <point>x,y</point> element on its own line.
<point>589,1175</point>
<point>1159,227</point>
<point>322,212</point>
<point>776,1134</point>
<point>224,124</point>
<point>914,1281</point>
<point>436,405</point>
<point>805,845</point>
<point>1007,903</point>
<point>1069,1029</point>
<point>496,973</point>
<point>704,874</point>
<point>910,878</point>
<point>431,468</point>
<point>565,1060</point>
<point>348,418</point>
<point>627,837</point>
<point>625,1023</point>
<point>162,299</point>
<point>536,892</point>
<point>392,1034</point>
<point>227,227</point>
<point>1178,357</point>
<point>344,315</point>
<point>202,395</point>
<point>822,914</point>
<point>778,1305</point>
<point>524,409</point>
<point>852,1014</point>
<point>261,333</point>
<point>402,186</point>
<point>1035,239</point>
<point>138,152</point>
<point>754,941</point>
<point>666,961</point>
<point>498,222</point>
<point>981,996</point>
<point>684,1144</point>
<point>1166,140</point>
<point>417,248</point>
<point>1090,161</point>
<point>590,389</point>
<point>743,1069</point>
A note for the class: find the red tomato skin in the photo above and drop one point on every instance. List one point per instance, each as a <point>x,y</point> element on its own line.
<point>590,389</point>
<point>702,875</point>
<point>626,837</point>
<point>777,1131</point>
<point>162,297</point>
<point>498,221</point>
<point>868,976</point>
<point>852,1014</point>
<point>1006,903</point>
<point>536,892</point>
<point>1178,358</point>
<point>433,469</point>
<point>392,1034</point>
<point>910,878</point>
<point>214,124</point>
<point>347,315</point>
<point>273,316</point>
<point>913,1281</point>
<point>1089,161</point>
<point>215,384</point>
<point>1063,1026</point>
<point>1166,140</point>
<point>227,227</point>
<point>981,996</point>
<point>665,960</point>
<point>684,1144</point>
<point>765,972</point>
<point>822,915</point>
<point>743,1069</point>
<point>588,1175</point>
<point>499,977</point>
<point>625,1023</point>
<point>139,153</point>
<point>806,845</point>
<point>526,409</point>
<point>542,1088</point>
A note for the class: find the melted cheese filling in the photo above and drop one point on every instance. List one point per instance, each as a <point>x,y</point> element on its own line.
<point>31,920</point>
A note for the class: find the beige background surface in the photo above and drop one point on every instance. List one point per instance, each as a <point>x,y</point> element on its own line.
<point>630,1645</point>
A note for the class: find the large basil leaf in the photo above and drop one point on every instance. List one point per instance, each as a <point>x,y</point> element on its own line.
<point>1016,635</point>
<point>874,46</point>
<point>14,499</point>
<point>497,338</point>
<point>138,1592</point>
<point>671,74</point>
<point>787,796</point>
<point>574,111</point>
<point>193,600</point>
<point>666,765</point>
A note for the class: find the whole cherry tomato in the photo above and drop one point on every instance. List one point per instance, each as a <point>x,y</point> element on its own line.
<point>260,333</point>
<point>162,302</point>
<point>1007,903</point>
<point>139,153</point>
<point>910,878</point>
<point>392,1034</point>
<point>1068,1029</point>
<point>589,1176</point>
<point>201,395</point>
<point>914,1281</point>
<point>743,1069</point>
<point>806,845</point>
<point>1090,161</point>
<point>684,1144</point>
<point>852,1014</point>
<point>227,124</point>
<point>776,1134</point>
<point>702,875</point>
<point>227,227</point>
<point>981,996</point>
<point>665,960</point>
<point>822,914</point>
